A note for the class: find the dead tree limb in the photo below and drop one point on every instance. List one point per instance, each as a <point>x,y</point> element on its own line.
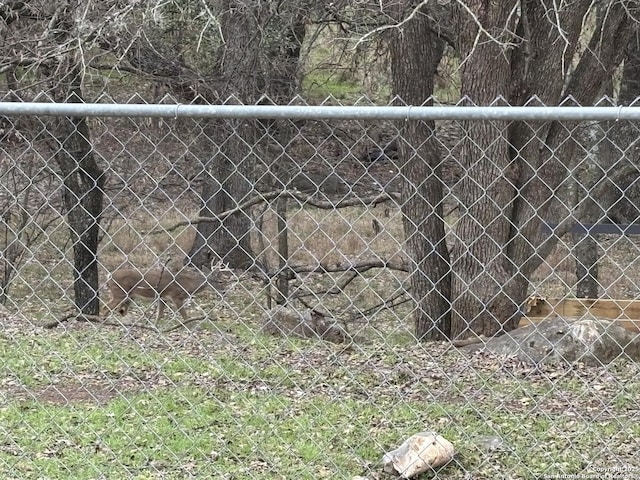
<point>184,323</point>
<point>393,302</point>
<point>371,200</point>
<point>356,267</point>
<point>101,319</point>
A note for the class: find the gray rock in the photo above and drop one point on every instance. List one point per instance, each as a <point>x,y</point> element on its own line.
<point>590,340</point>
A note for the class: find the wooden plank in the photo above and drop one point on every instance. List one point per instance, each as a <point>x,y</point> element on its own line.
<point>624,312</point>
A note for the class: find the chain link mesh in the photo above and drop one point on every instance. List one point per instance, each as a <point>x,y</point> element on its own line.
<point>303,362</point>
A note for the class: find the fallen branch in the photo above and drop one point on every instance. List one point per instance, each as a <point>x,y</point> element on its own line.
<point>371,200</point>
<point>184,323</point>
<point>387,304</point>
<point>395,301</point>
<point>340,288</point>
<point>101,319</point>
<point>357,267</point>
<point>58,321</point>
<point>141,326</point>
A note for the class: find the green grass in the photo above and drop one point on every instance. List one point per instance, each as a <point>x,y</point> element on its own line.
<point>207,432</point>
<point>322,84</point>
<point>220,406</point>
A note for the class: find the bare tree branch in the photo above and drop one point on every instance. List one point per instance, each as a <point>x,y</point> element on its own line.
<point>357,267</point>
<point>301,197</point>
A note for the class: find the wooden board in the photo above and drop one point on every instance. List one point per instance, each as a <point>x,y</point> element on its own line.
<point>624,312</point>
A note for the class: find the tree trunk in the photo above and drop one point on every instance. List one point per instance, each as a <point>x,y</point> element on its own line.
<point>541,151</point>
<point>82,177</point>
<point>549,160</point>
<point>585,245</point>
<point>416,53</point>
<point>227,176</point>
<point>225,184</point>
<point>630,84</point>
<point>282,282</point>
<point>486,191</point>
<point>614,139</point>
<point>251,64</point>
<point>587,256</point>
<point>83,198</point>
<point>515,172</point>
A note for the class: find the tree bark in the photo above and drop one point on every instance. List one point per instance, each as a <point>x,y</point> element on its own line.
<point>515,172</point>
<point>225,184</point>
<point>585,245</point>
<point>617,137</point>
<point>252,64</point>
<point>486,191</point>
<point>548,162</point>
<point>630,83</point>
<point>416,53</point>
<point>46,43</point>
<point>227,176</point>
<point>83,198</point>
<point>82,177</point>
<point>587,256</point>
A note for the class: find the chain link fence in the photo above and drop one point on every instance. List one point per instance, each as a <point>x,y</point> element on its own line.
<point>314,352</point>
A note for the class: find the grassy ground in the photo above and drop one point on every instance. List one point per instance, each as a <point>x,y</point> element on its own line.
<point>92,401</point>
<point>225,401</point>
<point>97,401</point>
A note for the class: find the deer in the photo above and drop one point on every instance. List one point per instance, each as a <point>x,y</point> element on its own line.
<point>127,283</point>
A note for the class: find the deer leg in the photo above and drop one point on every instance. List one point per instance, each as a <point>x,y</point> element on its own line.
<point>182,305</point>
<point>160,310</point>
<point>124,307</point>
<point>118,299</point>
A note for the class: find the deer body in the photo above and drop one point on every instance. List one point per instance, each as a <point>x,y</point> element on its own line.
<point>162,283</point>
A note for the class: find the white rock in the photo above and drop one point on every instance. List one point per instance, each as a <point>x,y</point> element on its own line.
<point>419,453</point>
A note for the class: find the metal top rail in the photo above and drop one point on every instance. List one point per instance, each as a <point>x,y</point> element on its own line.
<point>296,112</point>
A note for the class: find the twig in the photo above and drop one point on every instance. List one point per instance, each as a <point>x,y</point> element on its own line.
<point>303,301</point>
<point>324,268</point>
<point>301,197</point>
<point>101,319</point>
<point>357,267</point>
<point>141,326</point>
<point>58,321</point>
<point>451,210</point>
<point>184,323</point>
<point>398,25</point>
<point>340,288</point>
<point>386,304</point>
<point>335,290</point>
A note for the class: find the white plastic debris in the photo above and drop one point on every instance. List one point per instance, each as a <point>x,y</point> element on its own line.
<point>419,453</point>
